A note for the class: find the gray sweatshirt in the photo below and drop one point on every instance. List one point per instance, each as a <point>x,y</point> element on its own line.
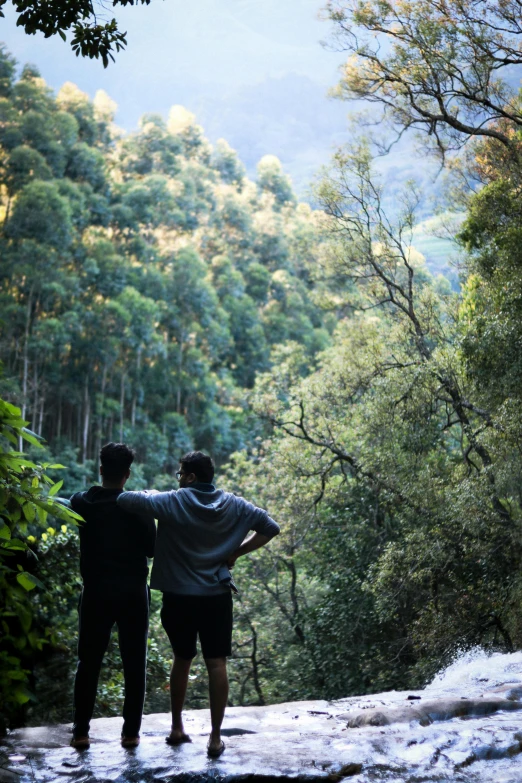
<point>198,530</point>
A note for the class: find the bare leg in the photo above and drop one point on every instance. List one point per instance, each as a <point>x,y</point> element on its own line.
<point>178,688</point>
<point>218,692</point>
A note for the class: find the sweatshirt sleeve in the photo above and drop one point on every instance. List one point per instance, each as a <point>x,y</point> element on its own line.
<point>260,522</point>
<point>145,503</point>
<point>75,502</point>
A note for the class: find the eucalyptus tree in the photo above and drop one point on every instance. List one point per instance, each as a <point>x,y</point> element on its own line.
<point>441,68</point>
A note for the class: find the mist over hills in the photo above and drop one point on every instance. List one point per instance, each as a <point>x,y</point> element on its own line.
<point>290,117</point>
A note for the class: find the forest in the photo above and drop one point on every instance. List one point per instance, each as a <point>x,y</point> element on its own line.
<point>150,292</point>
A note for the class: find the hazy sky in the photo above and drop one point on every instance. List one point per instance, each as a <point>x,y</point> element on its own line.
<point>176,48</point>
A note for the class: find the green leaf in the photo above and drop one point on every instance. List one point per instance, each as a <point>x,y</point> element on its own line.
<point>12,409</point>
<point>10,437</point>
<point>16,463</point>
<point>22,696</point>
<point>28,581</point>
<point>42,516</point>
<point>26,618</point>
<point>56,488</point>
<point>5,533</point>
<point>14,544</point>
<point>45,505</point>
<point>16,674</point>
<point>31,437</point>
<point>15,515</point>
<point>29,511</point>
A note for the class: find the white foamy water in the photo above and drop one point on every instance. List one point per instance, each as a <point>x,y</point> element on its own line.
<point>476,671</point>
<point>478,749</point>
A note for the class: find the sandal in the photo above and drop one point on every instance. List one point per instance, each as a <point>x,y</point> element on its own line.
<point>130,742</point>
<point>80,743</point>
<point>170,740</point>
<point>215,753</point>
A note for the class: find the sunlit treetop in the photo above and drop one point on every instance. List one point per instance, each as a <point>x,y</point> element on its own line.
<point>93,34</point>
<point>446,68</point>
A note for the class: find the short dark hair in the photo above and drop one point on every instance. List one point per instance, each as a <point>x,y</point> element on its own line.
<point>116,459</point>
<point>199,464</point>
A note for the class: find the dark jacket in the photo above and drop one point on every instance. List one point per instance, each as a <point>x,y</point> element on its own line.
<point>114,544</point>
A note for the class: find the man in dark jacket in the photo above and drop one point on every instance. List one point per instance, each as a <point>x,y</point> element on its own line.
<point>114,547</point>
<point>201,529</point>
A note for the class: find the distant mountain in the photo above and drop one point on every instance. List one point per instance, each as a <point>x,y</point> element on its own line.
<point>290,117</point>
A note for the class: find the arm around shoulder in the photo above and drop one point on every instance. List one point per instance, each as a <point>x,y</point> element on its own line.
<point>143,502</point>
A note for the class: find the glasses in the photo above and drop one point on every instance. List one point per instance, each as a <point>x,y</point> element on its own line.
<point>178,474</point>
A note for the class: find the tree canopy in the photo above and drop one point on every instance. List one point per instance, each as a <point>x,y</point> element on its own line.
<point>93,35</point>
<point>442,68</point>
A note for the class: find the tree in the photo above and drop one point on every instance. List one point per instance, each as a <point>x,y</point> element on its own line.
<point>226,161</point>
<point>271,178</point>
<point>92,36</point>
<point>437,66</point>
<point>400,505</point>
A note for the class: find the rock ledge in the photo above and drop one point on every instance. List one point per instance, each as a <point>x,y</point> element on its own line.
<point>359,739</point>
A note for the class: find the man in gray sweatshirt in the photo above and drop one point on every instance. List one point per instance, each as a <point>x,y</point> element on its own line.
<point>201,532</point>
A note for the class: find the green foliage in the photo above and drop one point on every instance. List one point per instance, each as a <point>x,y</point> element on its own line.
<point>272,179</point>
<point>491,310</point>
<point>40,214</point>
<point>437,69</point>
<point>398,491</point>
<point>27,497</point>
<point>149,267</point>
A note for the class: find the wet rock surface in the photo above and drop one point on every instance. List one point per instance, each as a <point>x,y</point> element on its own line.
<point>407,737</point>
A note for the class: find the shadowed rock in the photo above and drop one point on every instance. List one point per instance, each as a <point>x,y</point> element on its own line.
<point>428,712</point>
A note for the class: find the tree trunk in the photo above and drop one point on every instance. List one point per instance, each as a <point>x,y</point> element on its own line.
<point>77,434</point>
<point>255,665</point>
<point>59,418</point>
<point>180,367</point>
<point>35,396</point>
<point>99,427</point>
<point>41,415</point>
<point>135,395</point>
<point>122,402</point>
<point>86,418</point>
<point>7,210</point>
<point>25,371</point>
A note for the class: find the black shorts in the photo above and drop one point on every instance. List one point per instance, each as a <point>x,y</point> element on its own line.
<point>184,617</point>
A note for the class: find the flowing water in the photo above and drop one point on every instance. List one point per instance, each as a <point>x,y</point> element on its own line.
<point>485,749</point>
